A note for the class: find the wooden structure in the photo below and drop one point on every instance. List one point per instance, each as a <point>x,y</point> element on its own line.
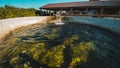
<point>89,8</point>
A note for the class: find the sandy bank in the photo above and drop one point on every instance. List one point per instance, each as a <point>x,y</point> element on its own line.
<point>7,25</point>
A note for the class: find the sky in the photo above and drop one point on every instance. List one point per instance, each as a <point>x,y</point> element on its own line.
<point>33,3</point>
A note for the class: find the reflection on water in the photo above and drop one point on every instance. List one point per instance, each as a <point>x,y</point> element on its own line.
<point>64,46</point>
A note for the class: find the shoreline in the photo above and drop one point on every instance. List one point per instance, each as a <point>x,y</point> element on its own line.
<point>7,25</point>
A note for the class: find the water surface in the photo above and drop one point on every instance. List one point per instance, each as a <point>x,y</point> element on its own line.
<point>63,46</point>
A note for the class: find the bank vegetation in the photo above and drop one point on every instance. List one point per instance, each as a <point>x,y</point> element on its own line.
<point>11,12</point>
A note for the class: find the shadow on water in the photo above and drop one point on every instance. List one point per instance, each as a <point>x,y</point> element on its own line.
<point>82,46</point>
<point>67,57</point>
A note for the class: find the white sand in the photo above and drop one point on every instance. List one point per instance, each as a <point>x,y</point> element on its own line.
<point>7,25</point>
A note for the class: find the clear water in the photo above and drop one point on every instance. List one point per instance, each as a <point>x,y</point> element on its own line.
<point>63,46</point>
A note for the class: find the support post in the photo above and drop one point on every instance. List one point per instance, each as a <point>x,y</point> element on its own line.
<point>61,11</point>
<point>40,12</point>
<point>50,12</point>
<point>47,12</point>
<point>67,12</point>
<point>119,12</point>
<point>101,12</point>
<point>86,10</point>
<point>71,11</point>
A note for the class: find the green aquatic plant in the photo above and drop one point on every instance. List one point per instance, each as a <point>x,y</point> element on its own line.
<point>69,41</point>
<point>75,37</point>
<point>69,46</point>
<point>53,34</point>
<point>39,48</point>
<point>33,50</point>
<point>53,57</point>
<point>80,53</point>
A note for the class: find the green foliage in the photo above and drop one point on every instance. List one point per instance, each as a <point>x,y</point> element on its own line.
<point>11,12</point>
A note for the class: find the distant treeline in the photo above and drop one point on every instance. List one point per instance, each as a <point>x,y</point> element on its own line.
<point>11,12</point>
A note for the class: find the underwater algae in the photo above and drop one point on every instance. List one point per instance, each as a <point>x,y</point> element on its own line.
<point>61,46</point>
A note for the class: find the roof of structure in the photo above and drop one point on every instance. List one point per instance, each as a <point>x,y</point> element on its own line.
<point>82,4</point>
